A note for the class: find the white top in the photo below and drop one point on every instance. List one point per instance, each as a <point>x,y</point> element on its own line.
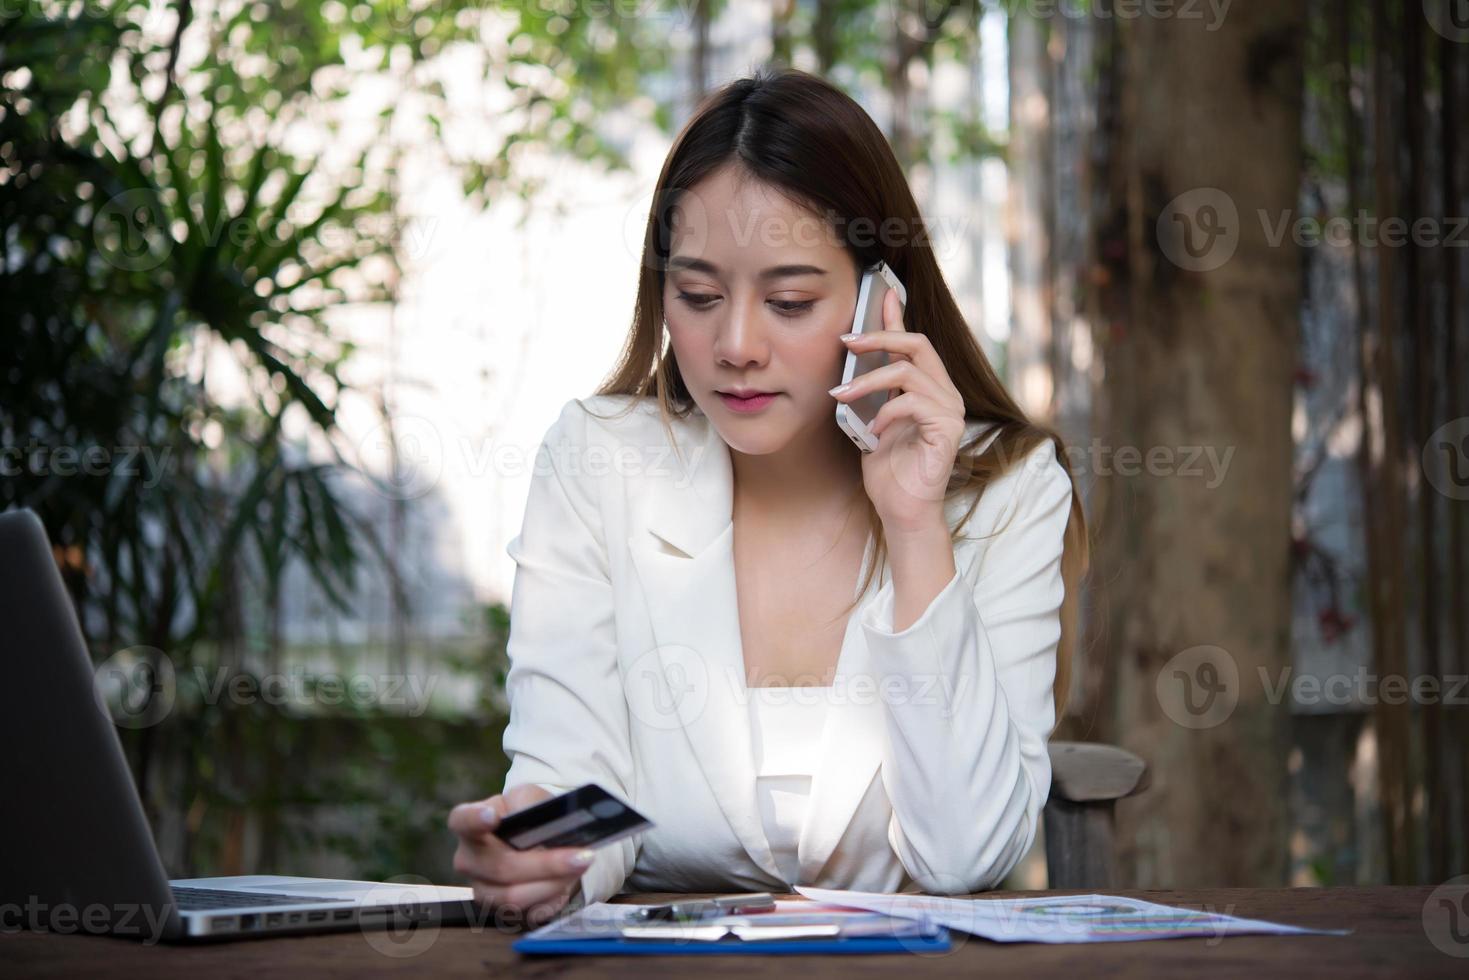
<point>626,670</point>
<point>786,724</point>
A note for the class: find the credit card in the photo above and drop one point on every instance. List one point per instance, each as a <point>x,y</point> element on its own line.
<point>583,817</point>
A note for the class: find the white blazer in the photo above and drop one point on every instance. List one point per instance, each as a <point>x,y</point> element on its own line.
<point>626,669</point>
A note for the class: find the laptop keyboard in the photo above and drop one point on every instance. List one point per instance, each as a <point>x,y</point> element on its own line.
<point>199,899</point>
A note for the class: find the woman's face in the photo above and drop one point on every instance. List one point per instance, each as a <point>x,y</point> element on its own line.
<point>757,295</point>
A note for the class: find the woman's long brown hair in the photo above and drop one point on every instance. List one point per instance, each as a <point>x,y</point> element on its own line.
<point>799,133</point>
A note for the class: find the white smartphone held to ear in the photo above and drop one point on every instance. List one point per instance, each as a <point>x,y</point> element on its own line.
<point>856,417</point>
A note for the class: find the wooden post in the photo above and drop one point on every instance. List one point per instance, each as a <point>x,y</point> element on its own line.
<point>1087,780</point>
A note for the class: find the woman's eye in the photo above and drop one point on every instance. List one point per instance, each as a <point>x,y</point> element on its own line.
<point>702,301</point>
<point>698,301</point>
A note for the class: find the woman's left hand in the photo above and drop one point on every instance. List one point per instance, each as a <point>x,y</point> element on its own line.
<point>919,427</point>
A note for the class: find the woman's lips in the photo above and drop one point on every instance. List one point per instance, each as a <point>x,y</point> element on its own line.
<point>746,405</point>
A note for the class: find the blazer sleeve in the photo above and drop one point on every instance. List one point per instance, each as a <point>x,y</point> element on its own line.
<point>568,715</point>
<point>967,772</point>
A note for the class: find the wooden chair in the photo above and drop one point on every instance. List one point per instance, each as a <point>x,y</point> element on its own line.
<point>1087,780</point>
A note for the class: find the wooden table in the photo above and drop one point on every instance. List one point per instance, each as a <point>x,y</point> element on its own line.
<point>1390,940</point>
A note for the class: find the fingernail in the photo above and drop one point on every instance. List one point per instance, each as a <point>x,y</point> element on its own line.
<point>839,389</point>
<point>850,336</point>
<point>489,815</point>
<point>583,858</point>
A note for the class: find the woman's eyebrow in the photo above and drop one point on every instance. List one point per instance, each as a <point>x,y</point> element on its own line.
<point>679,262</point>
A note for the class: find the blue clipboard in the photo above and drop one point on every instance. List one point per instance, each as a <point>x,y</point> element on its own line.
<point>936,942</point>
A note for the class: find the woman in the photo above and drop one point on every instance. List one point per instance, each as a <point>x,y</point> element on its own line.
<point>806,664</point>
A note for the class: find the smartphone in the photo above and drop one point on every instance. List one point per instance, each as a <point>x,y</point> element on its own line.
<point>583,817</point>
<point>855,417</point>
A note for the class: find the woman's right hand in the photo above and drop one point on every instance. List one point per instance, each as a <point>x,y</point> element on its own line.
<point>534,884</point>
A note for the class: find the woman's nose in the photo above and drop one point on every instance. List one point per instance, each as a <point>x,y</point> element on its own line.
<point>741,337</point>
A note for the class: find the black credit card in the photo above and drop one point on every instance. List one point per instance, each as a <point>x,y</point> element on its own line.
<point>582,817</point>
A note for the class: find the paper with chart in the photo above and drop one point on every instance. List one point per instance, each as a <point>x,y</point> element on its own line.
<point>1061,918</point>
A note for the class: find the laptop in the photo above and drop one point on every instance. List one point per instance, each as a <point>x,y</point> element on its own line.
<point>76,851</point>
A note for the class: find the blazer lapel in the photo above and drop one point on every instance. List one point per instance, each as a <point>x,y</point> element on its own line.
<point>694,611</point>
<point>685,561</point>
<point>851,745</point>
